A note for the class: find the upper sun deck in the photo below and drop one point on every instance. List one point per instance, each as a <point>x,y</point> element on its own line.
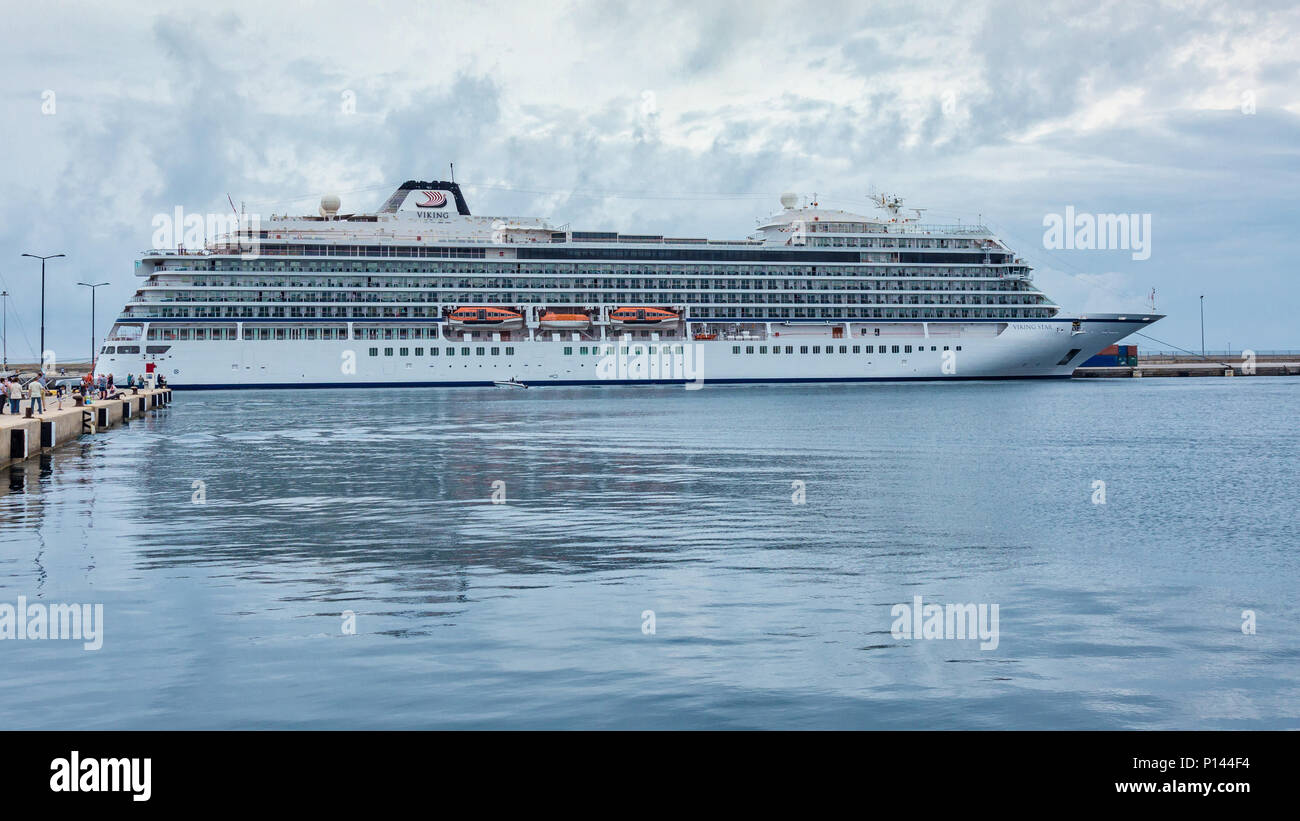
<point>431,214</point>
<point>793,224</point>
<point>828,221</point>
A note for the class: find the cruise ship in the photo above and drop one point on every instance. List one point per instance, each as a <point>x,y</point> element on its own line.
<point>424,293</point>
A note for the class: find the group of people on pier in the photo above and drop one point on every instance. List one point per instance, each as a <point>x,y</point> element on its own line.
<point>13,392</point>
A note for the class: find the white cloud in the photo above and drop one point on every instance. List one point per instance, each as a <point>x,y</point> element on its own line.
<point>1126,109</point>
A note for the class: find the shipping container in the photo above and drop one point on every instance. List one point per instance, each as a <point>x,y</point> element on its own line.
<point>1103,360</point>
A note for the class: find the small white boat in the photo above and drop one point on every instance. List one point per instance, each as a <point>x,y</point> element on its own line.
<point>509,383</point>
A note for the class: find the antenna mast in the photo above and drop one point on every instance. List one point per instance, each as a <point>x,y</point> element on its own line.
<point>887,202</point>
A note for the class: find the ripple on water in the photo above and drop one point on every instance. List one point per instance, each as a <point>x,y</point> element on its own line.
<point>623,502</point>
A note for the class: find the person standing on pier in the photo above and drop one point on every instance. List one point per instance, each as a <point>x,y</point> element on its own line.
<point>38,394</point>
<point>15,394</point>
<point>4,393</point>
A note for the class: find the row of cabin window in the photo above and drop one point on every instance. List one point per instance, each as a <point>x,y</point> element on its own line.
<point>634,350</point>
<point>259,334</point>
<point>720,308</point>
<point>585,350</point>
<point>655,350</point>
<point>496,351</point>
<point>251,334</point>
<point>869,278</point>
<point>735,349</point>
<point>489,268</point>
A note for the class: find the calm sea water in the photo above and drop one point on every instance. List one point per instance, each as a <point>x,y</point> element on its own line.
<point>619,501</point>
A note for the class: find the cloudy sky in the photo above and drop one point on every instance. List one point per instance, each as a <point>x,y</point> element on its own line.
<point>680,117</point>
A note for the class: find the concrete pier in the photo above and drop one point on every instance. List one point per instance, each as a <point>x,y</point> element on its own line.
<point>1163,366</point>
<point>23,437</point>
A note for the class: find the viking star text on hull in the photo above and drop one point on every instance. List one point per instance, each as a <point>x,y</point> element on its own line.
<point>422,292</point>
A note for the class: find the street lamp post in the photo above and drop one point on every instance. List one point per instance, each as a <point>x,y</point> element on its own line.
<point>92,317</point>
<point>42,259</point>
<point>1202,324</point>
<point>4,327</point>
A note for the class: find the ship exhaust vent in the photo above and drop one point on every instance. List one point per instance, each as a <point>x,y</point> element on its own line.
<point>399,196</point>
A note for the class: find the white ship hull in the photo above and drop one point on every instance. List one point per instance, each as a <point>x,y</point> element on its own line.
<point>1049,348</point>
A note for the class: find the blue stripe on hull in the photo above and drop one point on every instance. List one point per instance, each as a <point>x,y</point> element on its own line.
<point>574,382</point>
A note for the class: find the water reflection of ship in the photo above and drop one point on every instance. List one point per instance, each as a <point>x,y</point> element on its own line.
<point>435,514</point>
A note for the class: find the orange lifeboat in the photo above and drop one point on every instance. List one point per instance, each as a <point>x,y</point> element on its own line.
<point>639,317</point>
<point>485,317</point>
<point>706,336</point>
<point>553,321</point>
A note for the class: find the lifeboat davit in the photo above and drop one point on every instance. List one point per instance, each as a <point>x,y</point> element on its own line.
<point>486,317</point>
<point>553,321</point>
<point>643,317</point>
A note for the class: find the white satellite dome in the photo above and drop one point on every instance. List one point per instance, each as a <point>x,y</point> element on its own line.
<point>788,200</point>
<point>329,205</point>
